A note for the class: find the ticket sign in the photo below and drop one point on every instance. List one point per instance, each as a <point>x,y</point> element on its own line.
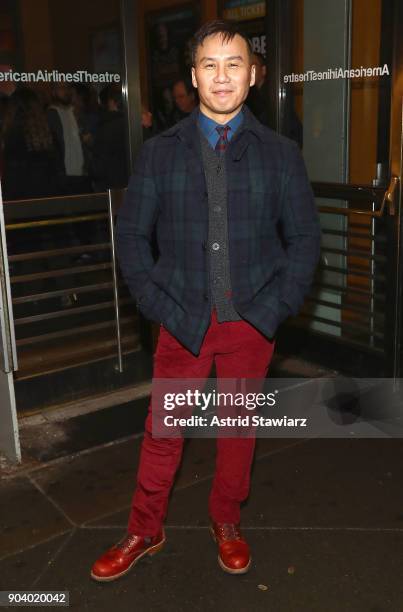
<point>242,10</point>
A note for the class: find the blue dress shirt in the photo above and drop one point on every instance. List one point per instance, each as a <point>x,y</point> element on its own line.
<point>208,127</point>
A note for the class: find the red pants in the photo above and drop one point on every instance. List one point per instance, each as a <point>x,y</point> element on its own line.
<point>239,351</point>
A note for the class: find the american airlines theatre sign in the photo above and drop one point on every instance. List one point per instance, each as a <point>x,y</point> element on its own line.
<point>54,76</point>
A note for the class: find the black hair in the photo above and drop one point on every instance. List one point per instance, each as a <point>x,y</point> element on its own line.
<point>187,81</point>
<point>227,29</point>
<point>111,92</point>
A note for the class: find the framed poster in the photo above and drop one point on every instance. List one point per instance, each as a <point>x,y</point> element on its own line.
<point>9,54</point>
<point>169,33</point>
<point>250,16</point>
<point>106,49</point>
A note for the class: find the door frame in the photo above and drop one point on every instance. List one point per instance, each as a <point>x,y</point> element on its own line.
<point>9,434</point>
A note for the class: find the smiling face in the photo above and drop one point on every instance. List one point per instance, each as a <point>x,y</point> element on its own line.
<point>222,74</point>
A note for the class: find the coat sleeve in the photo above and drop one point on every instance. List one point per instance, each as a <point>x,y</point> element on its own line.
<point>135,222</point>
<point>301,233</point>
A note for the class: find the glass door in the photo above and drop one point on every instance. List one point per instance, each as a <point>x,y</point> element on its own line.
<point>64,165</point>
<point>334,70</point>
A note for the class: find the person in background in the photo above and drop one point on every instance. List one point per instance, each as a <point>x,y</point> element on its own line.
<point>163,109</point>
<point>66,134</point>
<point>147,122</point>
<point>86,108</point>
<point>109,162</point>
<point>7,88</point>
<point>30,168</point>
<point>86,111</point>
<point>258,101</point>
<point>185,99</point>
<point>30,162</point>
<point>165,68</point>
<point>258,96</point>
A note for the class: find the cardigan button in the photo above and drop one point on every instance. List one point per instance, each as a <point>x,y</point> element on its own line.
<point>205,297</point>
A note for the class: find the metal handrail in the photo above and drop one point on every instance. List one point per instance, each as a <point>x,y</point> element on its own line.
<point>43,213</point>
<point>57,198</point>
<point>355,328</point>
<point>48,222</point>
<point>345,290</point>
<point>66,333</point>
<point>348,307</point>
<point>27,278</point>
<point>59,292</point>
<point>58,314</point>
<point>73,250</point>
<point>356,253</point>
<point>362,193</point>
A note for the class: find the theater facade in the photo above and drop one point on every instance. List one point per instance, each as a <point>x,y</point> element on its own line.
<point>83,83</point>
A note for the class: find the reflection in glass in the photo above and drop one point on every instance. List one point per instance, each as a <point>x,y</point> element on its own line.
<point>344,107</point>
<point>50,99</point>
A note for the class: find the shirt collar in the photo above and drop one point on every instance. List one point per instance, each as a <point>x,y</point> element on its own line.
<point>184,129</point>
<point>208,125</point>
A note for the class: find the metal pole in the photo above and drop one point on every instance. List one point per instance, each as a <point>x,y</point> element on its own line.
<point>7,331</point>
<point>9,434</point>
<point>115,281</point>
<point>395,269</point>
<point>131,81</point>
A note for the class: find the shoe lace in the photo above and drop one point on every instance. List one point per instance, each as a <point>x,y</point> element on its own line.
<point>127,542</point>
<point>229,531</point>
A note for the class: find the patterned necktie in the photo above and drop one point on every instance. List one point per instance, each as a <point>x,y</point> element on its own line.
<point>223,140</point>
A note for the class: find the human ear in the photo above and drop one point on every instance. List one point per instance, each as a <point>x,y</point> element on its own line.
<point>194,81</point>
<point>252,75</point>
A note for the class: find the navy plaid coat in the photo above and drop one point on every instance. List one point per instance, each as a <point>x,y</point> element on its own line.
<point>273,230</point>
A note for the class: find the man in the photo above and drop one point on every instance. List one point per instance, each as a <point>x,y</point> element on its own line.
<point>184,98</point>
<point>165,66</point>
<point>109,166</point>
<point>260,69</point>
<point>238,237</point>
<point>66,135</point>
<point>258,101</point>
<point>7,88</point>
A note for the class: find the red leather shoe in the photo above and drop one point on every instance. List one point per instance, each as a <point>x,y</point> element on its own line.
<point>233,551</point>
<point>119,559</point>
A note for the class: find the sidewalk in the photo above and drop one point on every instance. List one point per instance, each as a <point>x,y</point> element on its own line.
<point>324,521</point>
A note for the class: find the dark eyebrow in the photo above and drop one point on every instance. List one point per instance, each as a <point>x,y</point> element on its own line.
<point>237,57</point>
